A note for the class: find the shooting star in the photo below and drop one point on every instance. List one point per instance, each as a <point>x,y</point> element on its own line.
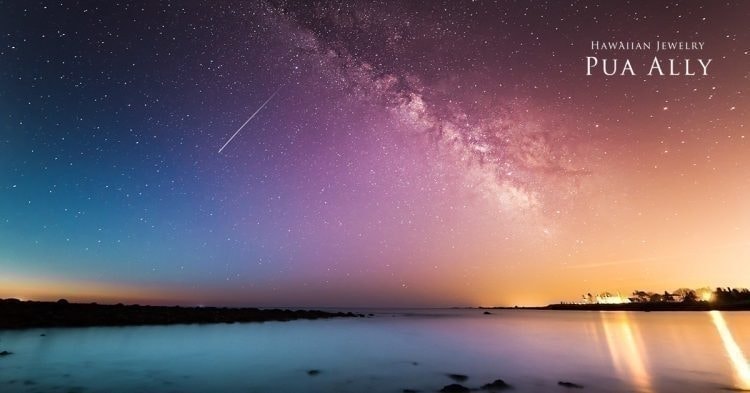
<point>250,118</point>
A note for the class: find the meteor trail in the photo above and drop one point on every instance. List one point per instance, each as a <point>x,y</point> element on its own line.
<point>248,120</point>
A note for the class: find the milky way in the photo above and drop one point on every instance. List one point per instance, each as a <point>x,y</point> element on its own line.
<point>409,154</point>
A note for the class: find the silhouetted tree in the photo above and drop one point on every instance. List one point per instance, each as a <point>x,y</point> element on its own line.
<point>640,296</point>
<point>731,295</point>
<point>682,291</point>
<point>690,297</point>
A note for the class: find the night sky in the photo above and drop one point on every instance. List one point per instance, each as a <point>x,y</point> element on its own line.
<point>444,153</point>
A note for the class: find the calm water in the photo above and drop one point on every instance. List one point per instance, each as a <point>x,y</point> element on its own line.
<point>532,350</point>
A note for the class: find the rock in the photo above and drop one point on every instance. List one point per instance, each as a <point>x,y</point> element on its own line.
<point>313,372</point>
<point>487,313</point>
<point>5,353</point>
<point>499,384</point>
<point>454,387</point>
<point>17,315</point>
<point>458,377</point>
<point>571,385</point>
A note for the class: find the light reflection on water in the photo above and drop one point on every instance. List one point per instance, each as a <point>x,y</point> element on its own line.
<point>532,350</point>
<point>626,349</point>
<point>739,361</point>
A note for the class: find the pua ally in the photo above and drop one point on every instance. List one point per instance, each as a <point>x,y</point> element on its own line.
<point>659,67</point>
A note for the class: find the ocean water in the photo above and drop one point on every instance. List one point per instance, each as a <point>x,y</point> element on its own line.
<point>390,352</point>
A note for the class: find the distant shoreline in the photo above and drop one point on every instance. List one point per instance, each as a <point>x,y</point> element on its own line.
<point>16,314</point>
<point>645,307</point>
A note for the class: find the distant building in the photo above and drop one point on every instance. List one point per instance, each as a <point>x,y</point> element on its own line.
<point>608,298</point>
<point>605,298</point>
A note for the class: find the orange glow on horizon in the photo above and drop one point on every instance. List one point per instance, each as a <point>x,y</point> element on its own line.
<point>84,291</point>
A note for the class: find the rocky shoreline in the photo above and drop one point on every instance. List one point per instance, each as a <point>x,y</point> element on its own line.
<point>16,314</point>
